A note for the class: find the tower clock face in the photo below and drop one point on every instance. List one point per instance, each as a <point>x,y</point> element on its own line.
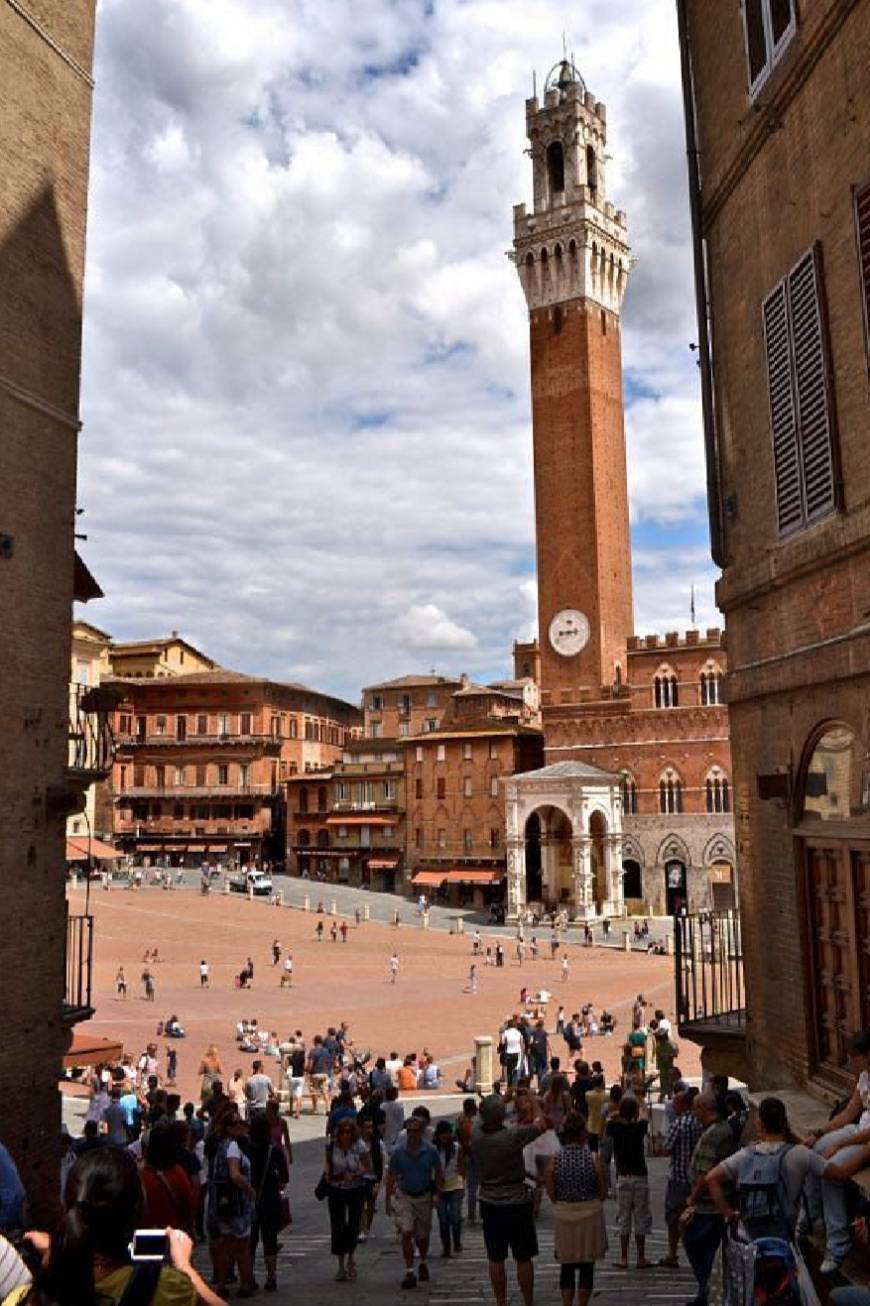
<point>569,632</point>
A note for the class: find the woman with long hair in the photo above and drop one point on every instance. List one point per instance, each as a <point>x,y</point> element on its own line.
<point>86,1261</point>
<point>236,1092</point>
<point>347,1164</point>
<point>269,1174</point>
<point>576,1183</point>
<point>210,1069</point>
<point>557,1102</point>
<point>452,1159</point>
<point>231,1198</point>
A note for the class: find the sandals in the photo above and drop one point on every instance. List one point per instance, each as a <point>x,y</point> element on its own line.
<point>341,1277</point>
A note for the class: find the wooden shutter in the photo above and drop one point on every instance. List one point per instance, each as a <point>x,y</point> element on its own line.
<point>862,232</point>
<point>812,384</point>
<point>786,463</point>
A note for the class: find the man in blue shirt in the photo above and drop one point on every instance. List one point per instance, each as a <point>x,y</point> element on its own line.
<point>413,1181</point>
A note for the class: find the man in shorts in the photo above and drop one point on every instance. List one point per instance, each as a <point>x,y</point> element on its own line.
<point>319,1069</point>
<point>296,1075</point>
<point>505,1199</point>
<point>413,1179</point>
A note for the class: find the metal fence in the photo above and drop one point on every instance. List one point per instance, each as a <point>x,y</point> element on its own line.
<point>79,965</point>
<point>91,742</point>
<point>709,968</point>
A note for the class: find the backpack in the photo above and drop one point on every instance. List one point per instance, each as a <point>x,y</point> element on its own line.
<point>762,1199</point>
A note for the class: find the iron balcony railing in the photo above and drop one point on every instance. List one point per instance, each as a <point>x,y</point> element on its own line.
<point>709,970</point>
<point>91,742</point>
<point>79,968</point>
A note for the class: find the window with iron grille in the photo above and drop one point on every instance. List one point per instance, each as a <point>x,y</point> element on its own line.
<point>801,396</point>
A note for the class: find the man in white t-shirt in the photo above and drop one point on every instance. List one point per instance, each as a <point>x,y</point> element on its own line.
<point>393,1064</point>
<point>258,1088</point>
<point>513,1047</point>
<point>287,974</point>
<point>394,968</point>
<point>203,974</point>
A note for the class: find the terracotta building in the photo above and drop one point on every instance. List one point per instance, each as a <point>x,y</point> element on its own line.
<point>407,706</point>
<point>346,824</point>
<point>634,804</point>
<point>152,659</point>
<point>46,759</point>
<point>781,212</point>
<point>202,757</point>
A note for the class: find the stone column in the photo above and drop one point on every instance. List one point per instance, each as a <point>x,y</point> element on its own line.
<point>516,877</point>
<point>613,864</point>
<point>483,1064</point>
<point>581,857</point>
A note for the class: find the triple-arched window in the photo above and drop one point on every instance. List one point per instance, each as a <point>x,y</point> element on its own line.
<point>666,688</point>
<point>629,794</point>
<point>670,793</point>
<point>711,686</point>
<point>717,791</point>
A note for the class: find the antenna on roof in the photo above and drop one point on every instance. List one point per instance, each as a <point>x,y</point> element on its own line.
<point>534,85</point>
<point>564,45</point>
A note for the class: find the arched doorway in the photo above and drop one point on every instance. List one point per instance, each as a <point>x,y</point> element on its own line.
<point>632,879</point>
<point>534,879</point>
<point>675,886</point>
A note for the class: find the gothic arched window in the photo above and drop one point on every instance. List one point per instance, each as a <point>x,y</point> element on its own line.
<point>556,167</point>
<point>591,169</point>
<point>711,686</point>
<point>670,794</point>
<point>666,688</point>
<point>303,799</point>
<point>718,792</point>
<point>629,794</point>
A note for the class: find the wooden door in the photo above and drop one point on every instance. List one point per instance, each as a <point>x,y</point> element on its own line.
<point>833,942</point>
<point>860,860</point>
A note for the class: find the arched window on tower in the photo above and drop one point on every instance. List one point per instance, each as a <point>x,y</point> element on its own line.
<point>718,792</point>
<point>555,167</point>
<point>629,794</point>
<point>666,688</point>
<point>670,793</point>
<point>591,169</point>
<point>303,799</point>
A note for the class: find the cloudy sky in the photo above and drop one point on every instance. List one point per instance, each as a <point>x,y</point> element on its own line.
<point>307,439</point>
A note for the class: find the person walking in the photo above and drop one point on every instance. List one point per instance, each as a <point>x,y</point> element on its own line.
<point>333,932</point>
<point>414,1175</point>
<point>628,1133</point>
<point>680,1143</point>
<point>210,1069</point>
<point>230,1204</point>
<point>347,1164</point>
<point>452,1161</point>
<point>576,1184</point>
<point>287,972</point>
<point>276,952</point>
<point>318,930</point>
<point>703,1225</point>
<point>471,987</point>
<point>148,985</point>
<point>394,968</point>
<point>203,974</point>
<point>506,1206</point>
<point>121,984</point>
<point>475,943</point>
<point>269,1174</point>
<point>499,955</point>
<point>564,967</point>
<point>464,1129</point>
<point>343,931</point>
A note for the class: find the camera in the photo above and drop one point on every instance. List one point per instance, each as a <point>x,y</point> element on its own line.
<point>149,1245</point>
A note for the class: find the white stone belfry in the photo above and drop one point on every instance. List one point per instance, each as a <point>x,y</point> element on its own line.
<point>574,245</point>
<point>567,820</point>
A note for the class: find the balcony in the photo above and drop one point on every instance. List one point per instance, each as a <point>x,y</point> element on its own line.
<point>179,793</point>
<point>711,997</point>
<point>375,805</point>
<point>91,742</point>
<point>268,743</point>
<point>77,1004</point>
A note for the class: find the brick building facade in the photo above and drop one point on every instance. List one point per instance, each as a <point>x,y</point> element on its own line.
<point>45,117</point>
<point>645,711</point>
<point>781,210</point>
<point>202,759</point>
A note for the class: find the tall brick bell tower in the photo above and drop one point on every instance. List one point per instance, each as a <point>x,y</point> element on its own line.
<point>573,260</point>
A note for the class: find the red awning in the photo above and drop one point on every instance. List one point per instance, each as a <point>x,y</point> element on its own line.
<point>461,875</point>
<point>79,849</point>
<point>383,863</point>
<point>354,818</point>
<point>88,1050</point>
<point>429,877</point>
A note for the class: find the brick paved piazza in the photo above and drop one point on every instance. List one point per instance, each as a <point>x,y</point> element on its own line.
<point>334,981</point>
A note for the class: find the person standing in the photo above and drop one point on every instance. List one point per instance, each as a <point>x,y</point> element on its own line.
<point>269,1174</point>
<point>394,968</point>
<point>475,943</point>
<point>230,1204</point>
<point>121,984</point>
<point>499,955</point>
<point>471,987</point>
<point>258,1089</point>
<point>287,972</point>
<point>276,952</point>
<point>628,1133</point>
<point>564,967</point>
<point>464,1129</point>
<point>203,974</point>
<point>343,930</point>
<point>505,1199</point>
<point>333,932</point>
<point>148,985</point>
<point>319,1068</point>
<point>347,1164</point>
<point>680,1143</point>
<point>414,1175</point>
<point>703,1225</point>
<point>318,930</point>
<point>520,950</point>
<point>210,1069</point>
<point>576,1184</point>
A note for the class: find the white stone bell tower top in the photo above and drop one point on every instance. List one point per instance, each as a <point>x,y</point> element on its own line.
<point>574,245</point>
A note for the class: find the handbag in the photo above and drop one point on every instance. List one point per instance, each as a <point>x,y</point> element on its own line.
<point>285,1215</point>
<point>322,1188</point>
<point>738,1269</point>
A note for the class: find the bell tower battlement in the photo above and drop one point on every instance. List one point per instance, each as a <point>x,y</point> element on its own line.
<point>574,244</point>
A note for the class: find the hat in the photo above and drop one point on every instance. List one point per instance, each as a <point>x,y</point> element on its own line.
<point>492,1110</point>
